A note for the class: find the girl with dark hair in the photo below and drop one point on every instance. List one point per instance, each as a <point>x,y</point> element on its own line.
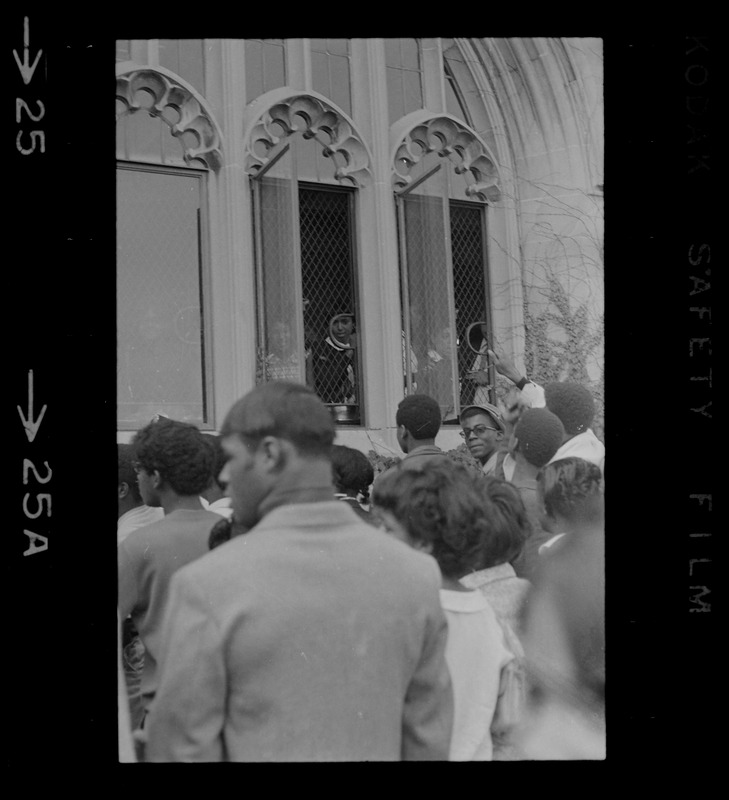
<point>570,493</point>
<point>507,530</point>
<point>440,509</point>
<point>564,638</point>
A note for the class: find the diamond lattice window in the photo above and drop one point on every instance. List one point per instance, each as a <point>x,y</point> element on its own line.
<point>443,282</point>
<point>469,281</point>
<point>305,266</point>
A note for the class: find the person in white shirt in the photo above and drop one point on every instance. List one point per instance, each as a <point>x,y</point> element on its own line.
<point>214,496</point>
<point>575,406</point>
<point>441,509</point>
<point>132,513</point>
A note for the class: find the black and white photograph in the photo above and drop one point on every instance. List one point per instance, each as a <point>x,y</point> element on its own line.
<point>340,307</point>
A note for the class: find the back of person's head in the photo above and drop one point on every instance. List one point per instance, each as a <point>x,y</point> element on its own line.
<point>540,434</point>
<point>219,457</point>
<point>571,488</point>
<point>574,574</point>
<point>420,415</point>
<point>289,411</point>
<point>180,453</point>
<point>443,506</point>
<point>573,403</point>
<point>351,470</point>
<point>508,522</point>
<point>125,470</point>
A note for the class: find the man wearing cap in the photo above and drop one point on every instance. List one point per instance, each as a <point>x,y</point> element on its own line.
<point>483,431</point>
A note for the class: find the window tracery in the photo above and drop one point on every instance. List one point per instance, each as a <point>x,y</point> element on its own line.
<point>419,136</point>
<point>316,119</point>
<point>163,97</point>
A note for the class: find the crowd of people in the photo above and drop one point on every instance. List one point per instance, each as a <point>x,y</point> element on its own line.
<point>279,601</point>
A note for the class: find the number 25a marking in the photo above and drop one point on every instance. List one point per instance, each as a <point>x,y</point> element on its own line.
<point>21,105</point>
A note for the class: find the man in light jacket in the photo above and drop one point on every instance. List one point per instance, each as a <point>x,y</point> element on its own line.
<point>313,636</point>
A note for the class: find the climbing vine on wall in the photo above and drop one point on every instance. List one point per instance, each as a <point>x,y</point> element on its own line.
<point>564,357</point>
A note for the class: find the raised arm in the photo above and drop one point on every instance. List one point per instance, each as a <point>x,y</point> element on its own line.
<point>532,394</point>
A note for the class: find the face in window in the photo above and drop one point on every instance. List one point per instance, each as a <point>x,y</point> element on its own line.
<point>342,328</point>
<point>482,435</point>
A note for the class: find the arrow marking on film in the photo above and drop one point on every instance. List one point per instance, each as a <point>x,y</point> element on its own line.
<point>31,426</point>
<point>26,69</point>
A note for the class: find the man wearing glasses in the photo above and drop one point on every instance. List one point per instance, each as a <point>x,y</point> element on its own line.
<point>483,431</point>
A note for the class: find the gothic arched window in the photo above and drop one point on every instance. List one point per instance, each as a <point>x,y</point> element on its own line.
<point>444,179</point>
<point>166,144</point>
<point>306,161</point>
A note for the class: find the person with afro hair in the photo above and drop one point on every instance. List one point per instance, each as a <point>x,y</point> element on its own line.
<point>174,464</point>
<point>132,513</point>
<point>418,422</point>
<point>575,406</point>
<point>536,438</point>
<point>353,475</point>
<point>440,509</point>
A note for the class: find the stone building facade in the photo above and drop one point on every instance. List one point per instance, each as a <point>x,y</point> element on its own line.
<point>428,187</point>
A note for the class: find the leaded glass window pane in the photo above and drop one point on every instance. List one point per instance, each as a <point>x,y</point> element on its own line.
<point>445,287</point>
<point>330,71</point>
<point>281,351</point>
<point>161,346</point>
<point>404,77</point>
<point>453,62</point>
<point>185,58</point>
<point>265,66</point>
<point>431,335</point>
